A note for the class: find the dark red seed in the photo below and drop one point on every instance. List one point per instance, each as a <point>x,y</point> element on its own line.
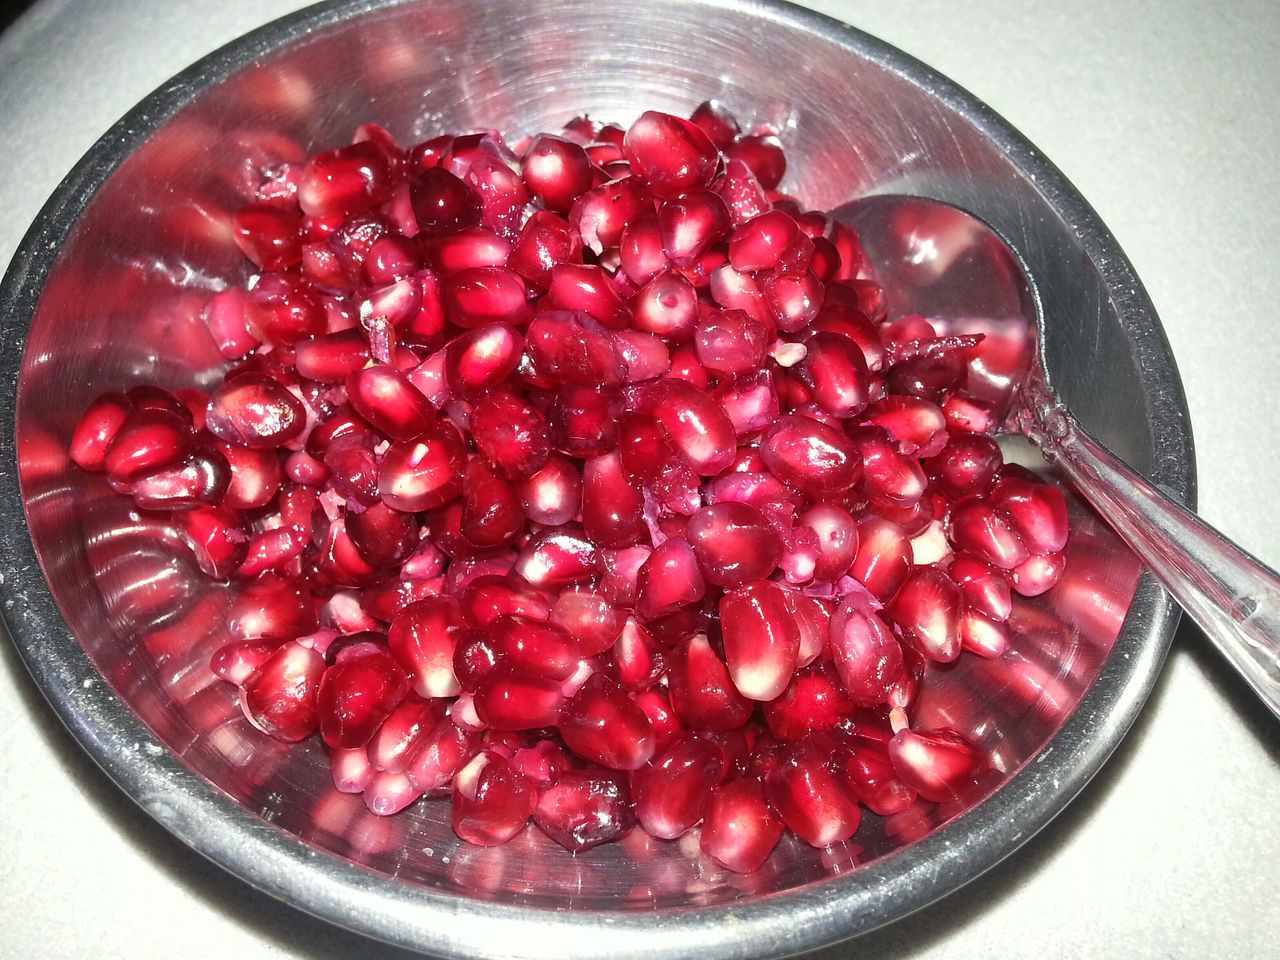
<point>585,808</point>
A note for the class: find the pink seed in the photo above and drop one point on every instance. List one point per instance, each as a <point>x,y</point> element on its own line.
<point>422,639</point>
<point>226,317</point>
<point>731,341</point>
<point>388,793</point>
<point>585,808</point>
<point>813,702</point>
<point>669,154</point>
<point>492,802</point>
<point>357,694</point>
<point>888,477</point>
<point>750,401</point>
<point>569,348</point>
<point>487,598</point>
<point>640,252</point>
<point>703,695</point>
<point>670,579</point>
<point>1037,574</point>
<point>1036,511</point>
<point>509,701</point>
<point>770,241</point>
<point>673,792</point>
<point>976,527</point>
<point>983,635</point>
<point>553,495</point>
<point>389,402</point>
<point>272,607</point>
<point>237,661</point>
<point>792,300</point>
<point>483,295</point>
<point>937,764</point>
<point>424,473</point>
<point>837,540</point>
<point>281,697</point>
<point>761,639</point>
<point>216,539</point>
<point>600,215</point>
<point>440,754</point>
<point>697,426</point>
<point>733,543</point>
<point>740,829</point>
<point>351,770</point>
<point>556,171</point>
<point>927,610</point>
<point>812,457</point>
<point>644,355</point>
<point>883,560</point>
<point>602,725</point>
<point>398,737</point>
<point>690,224</point>
<point>588,289</point>
<point>866,654</point>
<point>810,799</point>
<point>986,589</point>
<point>585,614</point>
<point>511,434</point>
<point>964,412</point>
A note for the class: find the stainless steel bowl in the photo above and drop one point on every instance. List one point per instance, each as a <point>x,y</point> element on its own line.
<point>116,625</point>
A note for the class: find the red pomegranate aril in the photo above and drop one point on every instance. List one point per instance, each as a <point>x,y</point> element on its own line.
<point>570,348</point>
<point>146,441</point>
<point>740,828</point>
<point>669,154</point>
<point>332,357</point>
<point>770,241</point>
<point>422,639</point>
<point>556,171</point>
<point>761,639</point>
<point>986,589</point>
<point>714,119</point>
<point>280,699</point>
<point>866,769</point>
<point>439,755</point>
<point>937,764</point>
<point>442,203</point>
<point>1037,574</point>
<point>690,224</point>
<point>216,538</point>
<point>533,648</point>
<point>383,536</point>
<point>612,509</point>
<point>423,473</point>
<point>271,607</point>
<point>883,560</point>
<point>546,241</point>
<point>396,740</point>
<point>814,458</point>
<point>553,495</point>
<point>741,192</point>
<point>750,401</point>
<point>644,355</point>
<point>506,700</point>
<point>351,770</point>
<point>792,300</point>
<point>492,802</point>
<point>686,366</point>
<point>585,808</point>
<point>557,557</point>
<point>976,527</point>
<point>763,154</point>
<point>888,478</point>
<point>983,635</point>
<point>268,235</point>
<point>837,537</point>
<point>468,250</point>
<point>601,215</point>
<point>491,512</point>
<point>511,434</point>
<point>584,420</point>
<point>200,480</point>
<point>640,253</point>
<point>1036,511</point>
<point>812,702</point>
<point>834,370</point>
<point>588,289</point>
<point>866,654</point>
<point>602,725</point>
<point>917,426</point>
<point>966,413</point>
<point>731,341</point>
<point>702,692</point>
<point>357,694</point>
<point>238,660</point>
<point>226,316</point>
<point>733,543</point>
<point>670,579</point>
<point>483,295</point>
<point>347,180</point>
<point>388,793</point>
<point>637,662</point>
<point>391,404</point>
<point>810,799</point>
<point>697,426</point>
<point>482,358</point>
<point>673,792</point>
<point>967,464</point>
<point>927,610</point>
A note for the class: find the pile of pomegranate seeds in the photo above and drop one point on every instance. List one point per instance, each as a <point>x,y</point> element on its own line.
<point>586,482</point>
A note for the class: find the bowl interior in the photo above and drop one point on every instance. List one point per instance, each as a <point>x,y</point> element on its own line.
<point>123,303</point>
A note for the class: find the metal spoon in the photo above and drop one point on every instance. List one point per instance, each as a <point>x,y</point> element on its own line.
<point>944,263</point>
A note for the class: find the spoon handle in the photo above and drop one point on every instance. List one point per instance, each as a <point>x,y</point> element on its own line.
<point>1233,597</point>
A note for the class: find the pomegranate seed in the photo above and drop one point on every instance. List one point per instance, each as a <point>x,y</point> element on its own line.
<point>98,426</point>
<point>883,559</point>
<point>866,769</point>
<point>967,464</point>
<point>482,358</point>
<point>770,241</point>
<point>669,154</point>
<point>343,181</point>
<point>763,154</point>
<point>556,171</point>
<point>268,235</point>
<point>587,616</point>
<point>670,579</point>
<point>357,694</point>
<point>731,341</point>
<point>644,355</point>
<point>439,755</point>
<point>964,412</point>
<point>585,808</point>
<point>715,120</point>
<point>601,215</point>
<point>810,799</point>
<point>812,457</point>
<point>487,598</point>
<point>237,661</point>
<point>491,512</point>
<point>742,192</point>
<point>612,510</point>
<point>813,701</point>
<point>484,295</point>
<point>510,701</point>
<point>602,725</point>
<point>394,743</point>
<point>976,527</point>
<point>422,640</point>
<point>216,539</point>
<point>546,241</point>
<point>866,654</point>
<point>423,473</point>
<point>351,770</point>
<point>936,764</point>
<point>1036,511</point>
<point>226,315</point>
<point>271,607</point>
<point>492,802</point>
<point>511,434</point>
<point>280,699</point>
<point>640,253</point>
<point>836,374</point>
<point>147,441</point>
<point>761,639</point>
<point>917,426</point>
<point>533,648</point>
<point>673,792</point>
<point>987,590</point>
<point>733,543</point>
<point>702,693</point>
<point>690,224</point>
<point>442,203</point>
<point>1037,574</point>
<point>564,348</point>
<point>927,610</point>
<point>983,635</point>
<point>556,557</point>
<point>584,420</point>
<point>553,495</point>
<point>467,250</point>
<point>697,426</point>
<point>740,829</point>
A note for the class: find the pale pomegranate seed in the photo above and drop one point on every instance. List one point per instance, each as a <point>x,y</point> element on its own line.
<point>936,764</point>
<point>761,639</point>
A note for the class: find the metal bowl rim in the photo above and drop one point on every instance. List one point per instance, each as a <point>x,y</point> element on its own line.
<point>416,917</point>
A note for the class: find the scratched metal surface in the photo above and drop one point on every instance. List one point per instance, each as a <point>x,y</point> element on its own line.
<point>43,866</point>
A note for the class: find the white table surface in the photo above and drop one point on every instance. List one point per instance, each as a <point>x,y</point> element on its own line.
<point>1164,114</point>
